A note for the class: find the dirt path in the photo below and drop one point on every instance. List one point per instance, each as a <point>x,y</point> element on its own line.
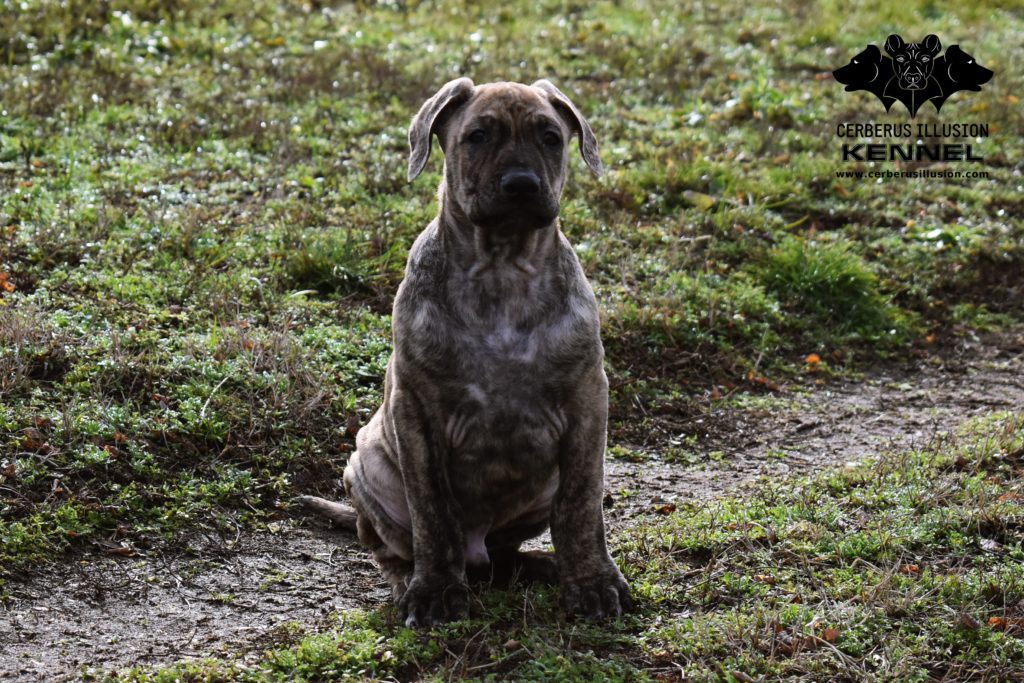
<point>233,596</point>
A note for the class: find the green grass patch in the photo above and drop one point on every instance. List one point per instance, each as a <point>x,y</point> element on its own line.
<point>835,295</point>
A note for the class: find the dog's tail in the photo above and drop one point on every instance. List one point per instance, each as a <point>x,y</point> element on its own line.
<point>343,515</point>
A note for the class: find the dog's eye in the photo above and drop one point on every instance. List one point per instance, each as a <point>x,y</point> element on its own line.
<point>477,136</point>
<point>552,139</point>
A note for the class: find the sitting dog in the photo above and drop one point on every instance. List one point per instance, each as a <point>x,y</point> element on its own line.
<point>955,71</point>
<point>495,399</point>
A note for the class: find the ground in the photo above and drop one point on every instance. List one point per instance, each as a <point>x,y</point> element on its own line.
<point>203,221</point>
<point>233,596</point>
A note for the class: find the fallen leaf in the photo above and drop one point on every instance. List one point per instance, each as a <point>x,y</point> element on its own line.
<point>699,199</point>
<point>830,635</point>
<point>812,359</point>
<point>969,622</point>
<point>33,440</point>
<point>1006,623</point>
<point>352,425</point>
<point>910,569</point>
<point>763,381</point>
<point>665,509</point>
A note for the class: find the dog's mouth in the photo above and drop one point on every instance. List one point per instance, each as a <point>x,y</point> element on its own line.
<point>515,214</point>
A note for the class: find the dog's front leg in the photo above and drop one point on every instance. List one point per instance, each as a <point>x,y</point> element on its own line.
<point>437,591</point>
<point>592,586</point>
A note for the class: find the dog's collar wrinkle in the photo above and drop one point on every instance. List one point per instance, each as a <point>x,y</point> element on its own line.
<point>478,250</point>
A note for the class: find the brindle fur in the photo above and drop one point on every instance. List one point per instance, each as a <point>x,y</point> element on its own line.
<point>495,399</point>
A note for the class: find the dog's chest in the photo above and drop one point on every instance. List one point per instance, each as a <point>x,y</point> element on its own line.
<point>507,384</point>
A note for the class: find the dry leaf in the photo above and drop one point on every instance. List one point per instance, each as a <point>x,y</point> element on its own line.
<point>969,622</point>
<point>33,440</point>
<point>698,199</point>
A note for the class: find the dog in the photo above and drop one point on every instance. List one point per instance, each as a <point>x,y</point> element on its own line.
<point>494,417</point>
<point>870,71</point>
<point>955,71</point>
<point>912,82</point>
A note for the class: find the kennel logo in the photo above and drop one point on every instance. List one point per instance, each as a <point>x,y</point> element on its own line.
<point>912,73</point>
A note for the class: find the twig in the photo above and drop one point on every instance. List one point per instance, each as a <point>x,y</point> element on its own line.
<point>202,413</point>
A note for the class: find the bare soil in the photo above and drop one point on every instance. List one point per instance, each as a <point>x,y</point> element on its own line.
<point>235,596</point>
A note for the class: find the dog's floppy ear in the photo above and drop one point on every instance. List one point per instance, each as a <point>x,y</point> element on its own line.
<point>894,43</point>
<point>932,44</point>
<point>588,143</point>
<point>452,95</point>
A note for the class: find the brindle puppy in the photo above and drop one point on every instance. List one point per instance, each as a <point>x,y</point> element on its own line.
<point>495,399</point>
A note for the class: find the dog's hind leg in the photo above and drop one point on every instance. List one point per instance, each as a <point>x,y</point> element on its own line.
<point>527,566</point>
<point>509,563</point>
<point>396,569</point>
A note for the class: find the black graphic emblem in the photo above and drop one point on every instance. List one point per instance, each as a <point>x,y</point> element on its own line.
<point>912,73</point>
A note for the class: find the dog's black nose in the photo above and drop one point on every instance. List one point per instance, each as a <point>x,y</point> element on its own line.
<point>520,181</point>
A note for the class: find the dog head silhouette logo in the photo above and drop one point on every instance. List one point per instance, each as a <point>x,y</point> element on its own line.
<point>912,73</point>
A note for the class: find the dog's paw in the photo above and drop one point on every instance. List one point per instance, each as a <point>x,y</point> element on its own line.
<point>597,596</point>
<point>432,600</point>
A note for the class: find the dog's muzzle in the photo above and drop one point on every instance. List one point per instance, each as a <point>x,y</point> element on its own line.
<point>519,182</point>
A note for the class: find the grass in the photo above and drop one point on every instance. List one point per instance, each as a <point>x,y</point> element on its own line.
<point>906,568</point>
<point>204,218</point>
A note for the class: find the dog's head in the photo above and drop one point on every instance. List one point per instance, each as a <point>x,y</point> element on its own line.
<point>863,70</point>
<point>962,70</point>
<point>913,62</point>
<point>506,149</point>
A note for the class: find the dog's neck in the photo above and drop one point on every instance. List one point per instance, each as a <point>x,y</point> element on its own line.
<point>478,251</point>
